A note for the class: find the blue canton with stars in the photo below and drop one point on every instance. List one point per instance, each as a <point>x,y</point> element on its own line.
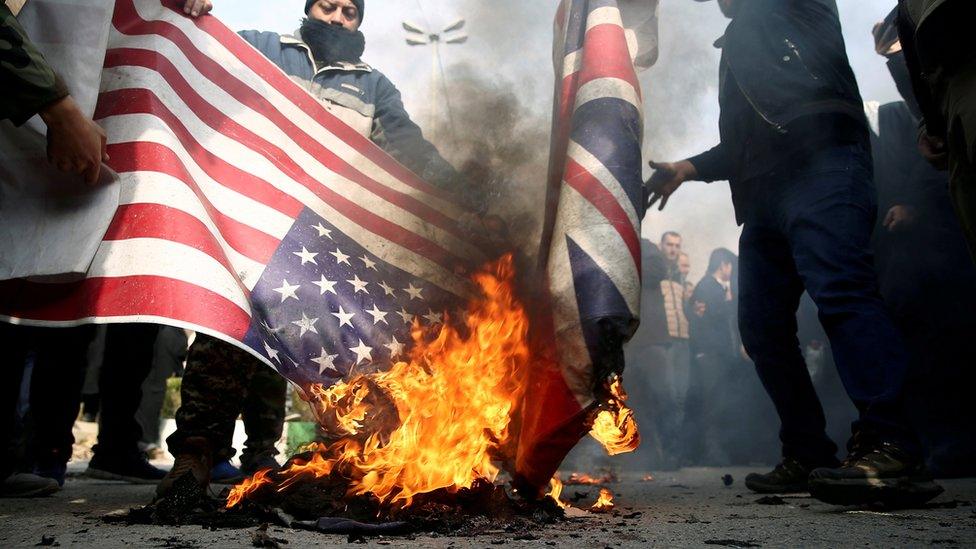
<point>325,307</point>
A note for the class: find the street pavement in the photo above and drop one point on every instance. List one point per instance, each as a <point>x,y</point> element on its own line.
<point>689,508</point>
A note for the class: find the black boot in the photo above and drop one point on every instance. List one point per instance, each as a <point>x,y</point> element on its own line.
<point>885,475</point>
<point>789,477</point>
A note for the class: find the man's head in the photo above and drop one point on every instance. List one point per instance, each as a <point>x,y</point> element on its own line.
<point>684,264</point>
<point>671,245</point>
<point>345,13</point>
<point>720,264</point>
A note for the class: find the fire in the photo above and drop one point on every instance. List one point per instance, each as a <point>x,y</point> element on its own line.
<point>587,479</point>
<point>648,478</point>
<point>615,427</point>
<point>556,490</point>
<point>250,485</point>
<point>435,420</point>
<point>605,503</point>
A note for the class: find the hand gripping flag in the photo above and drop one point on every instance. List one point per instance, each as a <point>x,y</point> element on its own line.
<point>249,212</point>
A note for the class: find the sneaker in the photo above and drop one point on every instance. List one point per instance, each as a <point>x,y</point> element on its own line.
<point>789,477</point>
<point>885,476</point>
<point>26,485</point>
<point>225,473</point>
<point>53,472</point>
<point>195,461</point>
<point>133,468</point>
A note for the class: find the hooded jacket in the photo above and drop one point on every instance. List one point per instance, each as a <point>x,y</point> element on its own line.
<point>783,61</point>
<point>936,39</point>
<point>363,98</point>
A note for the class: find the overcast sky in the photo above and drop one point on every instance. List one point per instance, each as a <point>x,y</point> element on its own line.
<point>511,41</point>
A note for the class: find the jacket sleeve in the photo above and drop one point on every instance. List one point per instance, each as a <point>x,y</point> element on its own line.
<point>932,118</point>
<point>713,165</point>
<point>397,134</point>
<point>30,84</point>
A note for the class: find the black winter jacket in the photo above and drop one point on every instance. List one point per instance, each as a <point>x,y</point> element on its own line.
<point>788,60</point>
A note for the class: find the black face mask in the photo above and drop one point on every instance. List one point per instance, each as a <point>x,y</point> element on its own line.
<point>332,43</point>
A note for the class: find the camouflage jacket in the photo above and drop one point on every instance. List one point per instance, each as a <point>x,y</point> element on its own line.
<point>29,83</point>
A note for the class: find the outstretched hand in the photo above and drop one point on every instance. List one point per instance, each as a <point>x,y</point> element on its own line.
<point>667,177</point>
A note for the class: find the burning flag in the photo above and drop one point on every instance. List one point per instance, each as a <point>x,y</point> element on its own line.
<point>249,212</point>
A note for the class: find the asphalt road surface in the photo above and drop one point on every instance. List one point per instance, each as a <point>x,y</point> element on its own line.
<point>690,508</point>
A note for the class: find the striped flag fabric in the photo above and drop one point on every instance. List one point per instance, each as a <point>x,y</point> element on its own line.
<point>590,253</point>
<point>249,212</point>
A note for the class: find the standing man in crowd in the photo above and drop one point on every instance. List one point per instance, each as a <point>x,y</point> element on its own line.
<point>324,55</point>
<point>937,39</point>
<point>794,146</point>
<point>714,353</point>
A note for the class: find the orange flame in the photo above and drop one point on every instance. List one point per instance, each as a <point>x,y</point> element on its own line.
<point>615,427</point>
<point>648,478</point>
<point>587,479</point>
<point>435,420</point>
<point>556,490</point>
<point>250,485</point>
<point>605,503</point>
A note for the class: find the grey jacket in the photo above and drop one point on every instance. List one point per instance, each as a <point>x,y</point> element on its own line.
<point>363,98</point>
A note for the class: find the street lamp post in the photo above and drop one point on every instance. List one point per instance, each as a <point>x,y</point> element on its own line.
<point>418,36</point>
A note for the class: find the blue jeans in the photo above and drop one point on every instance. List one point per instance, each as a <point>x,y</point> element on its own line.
<point>809,227</point>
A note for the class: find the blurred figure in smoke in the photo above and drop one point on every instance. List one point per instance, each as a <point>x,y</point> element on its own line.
<point>794,145</point>
<point>649,373</point>
<point>714,352</point>
<point>941,58</point>
<point>926,275</point>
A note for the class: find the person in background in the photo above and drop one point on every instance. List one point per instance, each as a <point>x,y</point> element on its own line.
<point>936,36</point>
<point>714,351</point>
<point>169,355</point>
<point>795,148</point>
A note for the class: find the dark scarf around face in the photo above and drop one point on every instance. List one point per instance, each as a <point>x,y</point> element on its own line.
<point>332,44</point>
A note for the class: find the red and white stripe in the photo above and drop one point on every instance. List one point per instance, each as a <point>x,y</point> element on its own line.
<point>219,151</point>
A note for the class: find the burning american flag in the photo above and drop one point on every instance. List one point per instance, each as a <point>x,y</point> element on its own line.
<point>249,212</point>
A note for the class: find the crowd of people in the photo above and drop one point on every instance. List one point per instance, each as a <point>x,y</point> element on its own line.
<point>853,272</point>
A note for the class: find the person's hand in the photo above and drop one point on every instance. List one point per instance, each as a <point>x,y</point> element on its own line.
<point>196,8</point>
<point>700,309</point>
<point>75,143</point>
<point>933,148</point>
<point>666,179</point>
<point>899,217</point>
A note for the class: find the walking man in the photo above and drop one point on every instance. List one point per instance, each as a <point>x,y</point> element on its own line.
<point>794,145</point>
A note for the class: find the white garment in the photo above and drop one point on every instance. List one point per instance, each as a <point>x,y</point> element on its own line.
<point>51,223</point>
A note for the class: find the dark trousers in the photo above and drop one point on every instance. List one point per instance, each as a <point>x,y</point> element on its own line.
<point>127,361</point>
<point>55,391</point>
<point>810,228</point>
<point>220,383</point>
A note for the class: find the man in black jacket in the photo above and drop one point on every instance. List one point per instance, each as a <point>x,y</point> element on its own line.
<point>794,145</point>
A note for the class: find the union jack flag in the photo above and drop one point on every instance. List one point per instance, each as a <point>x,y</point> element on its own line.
<point>590,254</point>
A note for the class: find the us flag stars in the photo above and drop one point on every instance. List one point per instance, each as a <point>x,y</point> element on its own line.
<point>341,306</point>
